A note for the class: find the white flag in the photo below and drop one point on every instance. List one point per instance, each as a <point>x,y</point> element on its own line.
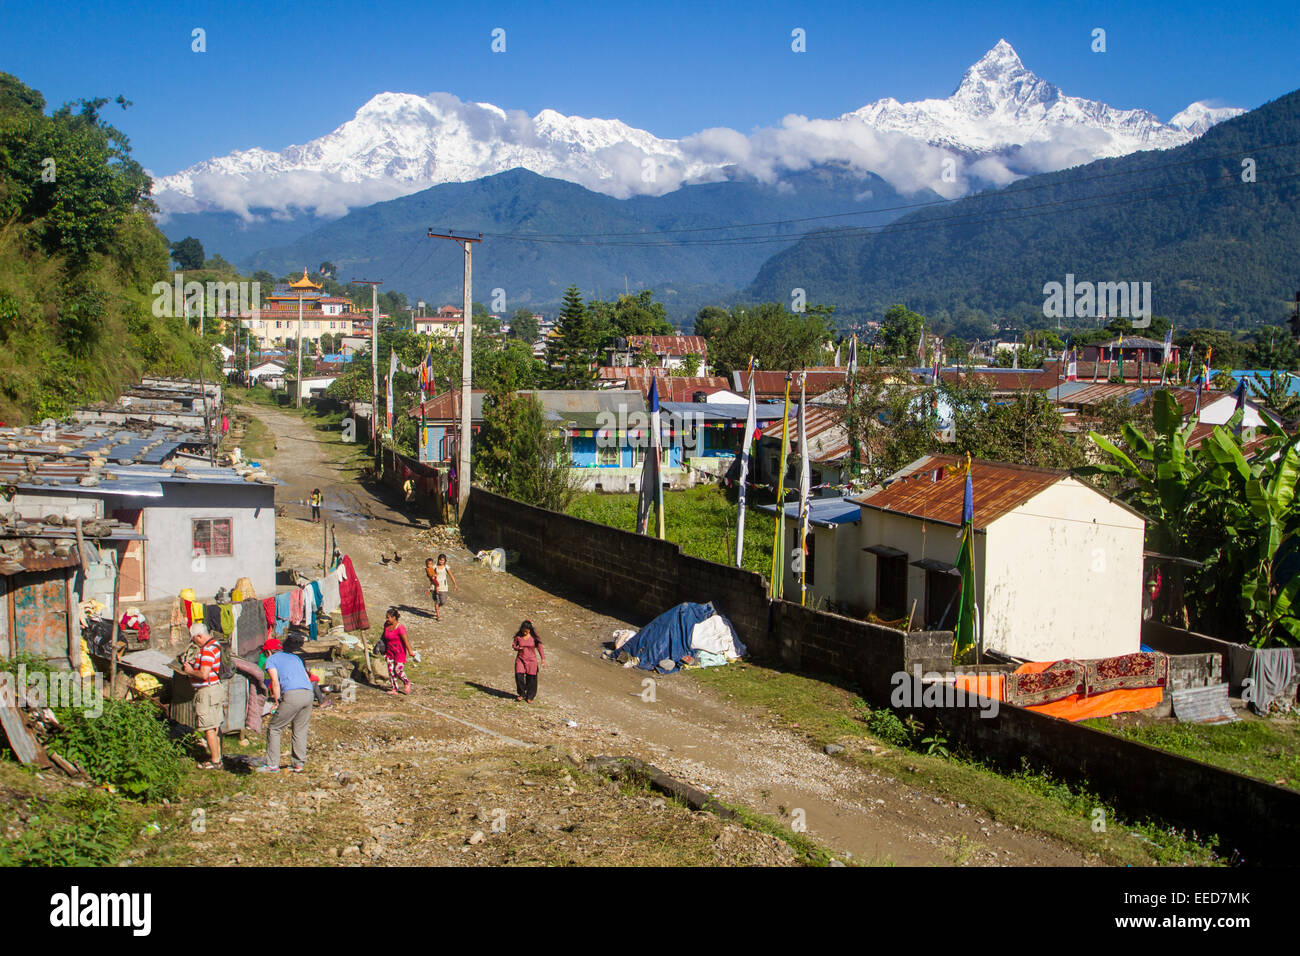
<point>745,441</point>
<point>805,484</point>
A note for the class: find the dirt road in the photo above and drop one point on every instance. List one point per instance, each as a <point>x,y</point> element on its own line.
<point>588,705</point>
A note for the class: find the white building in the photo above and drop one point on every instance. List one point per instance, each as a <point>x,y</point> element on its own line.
<point>1058,564</point>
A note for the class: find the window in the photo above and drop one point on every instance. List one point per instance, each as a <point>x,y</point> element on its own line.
<point>608,455</point>
<point>212,536</point>
<point>942,588</point>
<point>891,584</point>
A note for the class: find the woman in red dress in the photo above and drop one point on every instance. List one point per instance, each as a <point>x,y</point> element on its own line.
<point>529,656</point>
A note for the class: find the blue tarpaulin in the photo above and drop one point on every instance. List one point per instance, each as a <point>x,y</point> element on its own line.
<point>668,637</point>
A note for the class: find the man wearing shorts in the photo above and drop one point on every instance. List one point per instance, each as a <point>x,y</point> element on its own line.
<point>204,672</point>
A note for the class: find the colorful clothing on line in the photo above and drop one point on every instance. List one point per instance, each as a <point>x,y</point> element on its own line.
<point>317,601</point>
<point>283,609</point>
<point>330,598</point>
<point>295,607</point>
<point>352,603</point>
<point>227,613</point>
<point>268,608</point>
<point>212,618</point>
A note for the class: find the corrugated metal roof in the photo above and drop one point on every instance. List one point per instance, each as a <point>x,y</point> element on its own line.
<point>998,489</point>
<point>827,512</point>
<point>819,379</point>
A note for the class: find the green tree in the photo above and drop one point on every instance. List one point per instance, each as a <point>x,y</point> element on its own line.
<point>572,351</point>
<point>520,454</point>
<point>778,340</point>
<point>524,326</point>
<point>1026,429</point>
<point>711,321</point>
<point>188,253</point>
<point>900,335</point>
<point>1274,349</point>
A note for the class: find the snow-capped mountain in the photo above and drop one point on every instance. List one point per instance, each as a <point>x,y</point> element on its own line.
<point>1001,105</point>
<point>400,143</point>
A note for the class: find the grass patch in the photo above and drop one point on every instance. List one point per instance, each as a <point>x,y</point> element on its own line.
<point>826,713</point>
<point>702,520</point>
<point>1261,748</point>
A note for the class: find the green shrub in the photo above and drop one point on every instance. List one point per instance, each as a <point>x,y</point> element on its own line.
<point>83,828</point>
<point>127,746</point>
<point>886,725</point>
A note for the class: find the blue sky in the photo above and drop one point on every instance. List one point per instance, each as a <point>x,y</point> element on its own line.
<point>282,73</point>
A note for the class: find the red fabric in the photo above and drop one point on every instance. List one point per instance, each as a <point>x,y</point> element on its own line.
<point>352,603</point>
<point>268,608</point>
<point>526,653</point>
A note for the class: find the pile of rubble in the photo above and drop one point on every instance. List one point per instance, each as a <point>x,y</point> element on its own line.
<point>441,536</point>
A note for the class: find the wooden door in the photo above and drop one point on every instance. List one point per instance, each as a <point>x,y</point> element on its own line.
<point>40,614</point>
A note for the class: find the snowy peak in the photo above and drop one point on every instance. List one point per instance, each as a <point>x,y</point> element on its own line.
<point>1200,116</point>
<point>1002,115</point>
<point>1002,105</point>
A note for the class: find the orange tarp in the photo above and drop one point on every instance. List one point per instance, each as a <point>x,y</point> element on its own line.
<point>1073,708</point>
<point>985,685</point>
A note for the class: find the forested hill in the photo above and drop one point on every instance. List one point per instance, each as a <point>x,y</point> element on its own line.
<point>640,247</point>
<point>1212,225</point>
<point>78,255</point>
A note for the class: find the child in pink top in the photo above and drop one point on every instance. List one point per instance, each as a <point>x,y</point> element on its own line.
<point>529,656</point>
<point>396,649</point>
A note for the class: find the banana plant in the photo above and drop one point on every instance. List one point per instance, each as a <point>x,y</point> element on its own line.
<point>1266,486</point>
<point>1171,483</point>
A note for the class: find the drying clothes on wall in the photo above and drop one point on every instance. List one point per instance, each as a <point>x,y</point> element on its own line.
<point>251,627</point>
<point>227,614</point>
<point>352,603</point>
<point>1043,682</point>
<point>178,618</point>
<point>212,618</point>
<point>268,608</point>
<point>245,588</point>
<point>296,611</point>
<point>257,693</point>
<point>1271,671</point>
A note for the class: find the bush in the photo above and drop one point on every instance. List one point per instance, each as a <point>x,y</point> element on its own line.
<point>886,725</point>
<point>128,746</point>
<point>84,828</point>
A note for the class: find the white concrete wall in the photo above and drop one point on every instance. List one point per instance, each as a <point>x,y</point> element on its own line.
<point>828,557</point>
<point>1062,577</point>
<point>168,559</point>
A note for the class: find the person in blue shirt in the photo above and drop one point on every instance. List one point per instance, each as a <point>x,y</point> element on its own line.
<point>292,694</point>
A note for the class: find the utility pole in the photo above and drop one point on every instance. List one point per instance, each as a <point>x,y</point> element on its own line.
<point>298,343</point>
<point>374,360</point>
<point>466,372</point>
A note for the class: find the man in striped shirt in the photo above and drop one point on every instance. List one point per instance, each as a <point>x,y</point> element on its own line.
<point>204,672</point>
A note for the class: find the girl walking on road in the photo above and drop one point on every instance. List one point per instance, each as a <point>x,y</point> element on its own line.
<point>440,579</point>
<point>316,499</point>
<point>396,649</point>
<point>529,656</point>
